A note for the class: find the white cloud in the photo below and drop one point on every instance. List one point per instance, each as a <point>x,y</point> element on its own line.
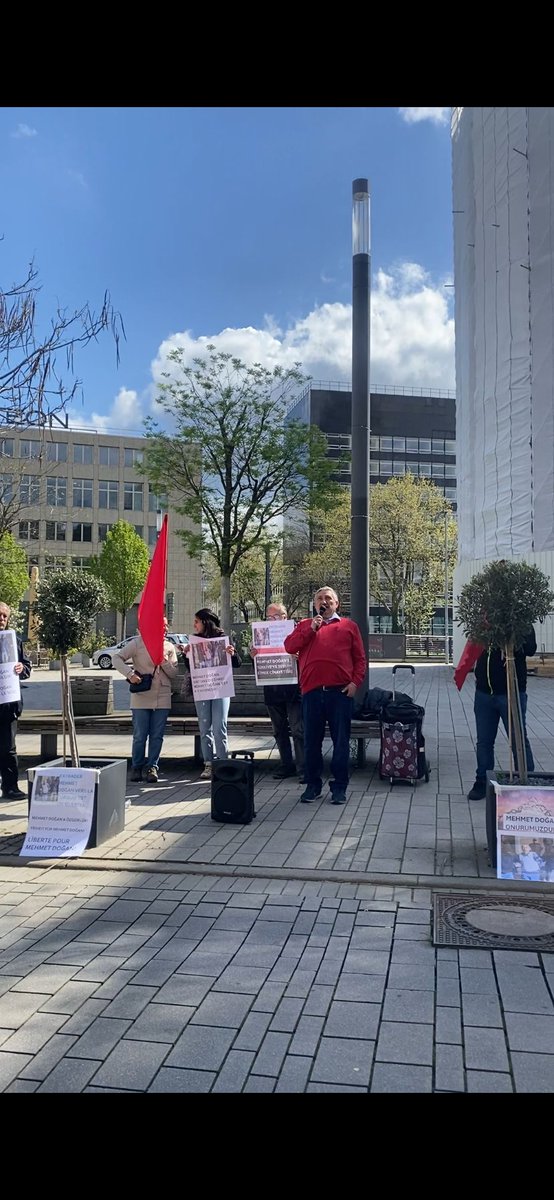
<point>24,131</point>
<point>412,336</point>
<point>125,414</point>
<point>439,116</point>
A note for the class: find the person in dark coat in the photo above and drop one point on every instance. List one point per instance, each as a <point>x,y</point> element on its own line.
<point>284,705</point>
<point>8,720</point>
<point>491,706</point>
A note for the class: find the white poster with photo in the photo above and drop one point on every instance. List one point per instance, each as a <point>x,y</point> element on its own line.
<point>525,833</point>
<point>272,664</point>
<point>211,672</point>
<point>60,818</point>
<point>10,689</point>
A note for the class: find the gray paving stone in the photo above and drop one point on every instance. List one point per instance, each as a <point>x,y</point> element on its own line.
<point>405,1043</point>
<point>525,1032</point>
<point>343,1061</point>
<point>414,976</point>
<point>99,1039</point>
<point>449,1069</point>
<point>306,1037</point>
<point>318,1001</point>
<point>448,993</point>
<point>85,1015</point>
<point>70,1075</point>
<point>201,1047</point>
<point>272,1051</point>
<point>486,1046</point>
<point>184,989</point>
<point>480,980</point>
<point>533,1072</point>
<point>253,1031</point>
<point>259,1083</point>
<point>287,1015</point>
<point>481,1010</point>
<point>226,1010</point>
<point>405,1005</point>
<point>160,1023</point>
<point>241,979</point>
<point>131,1065</point>
<point>335,1087</point>
<point>16,1008</point>
<point>234,1071</point>
<point>392,1077</point>
<point>488,1081</point>
<point>174,1079</point>
<point>294,1074</point>
<point>269,997</point>
<point>522,989</point>
<point>355,986</point>
<point>448,1026</point>
<point>130,1001</point>
<point>34,1034</point>
<point>352,1019</point>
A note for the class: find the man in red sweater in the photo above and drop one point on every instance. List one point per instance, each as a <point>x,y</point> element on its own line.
<point>332,665</point>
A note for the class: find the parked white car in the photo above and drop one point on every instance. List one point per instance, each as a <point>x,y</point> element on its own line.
<point>103,658</point>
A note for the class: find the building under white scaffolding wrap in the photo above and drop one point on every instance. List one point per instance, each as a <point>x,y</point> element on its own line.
<point>503,218</point>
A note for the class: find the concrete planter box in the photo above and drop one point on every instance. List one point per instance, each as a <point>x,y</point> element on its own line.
<point>535,779</point>
<point>108,816</point>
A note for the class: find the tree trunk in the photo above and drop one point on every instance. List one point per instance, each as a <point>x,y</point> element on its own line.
<point>225,614</point>
<point>514,713</point>
<point>123,622</point>
<point>69,717</point>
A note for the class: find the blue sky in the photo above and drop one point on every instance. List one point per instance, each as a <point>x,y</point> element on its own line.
<point>232,225</point>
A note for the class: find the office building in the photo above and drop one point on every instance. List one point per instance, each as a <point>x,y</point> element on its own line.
<point>412,430</point>
<point>69,498</point>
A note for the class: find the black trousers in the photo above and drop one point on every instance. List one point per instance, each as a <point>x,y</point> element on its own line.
<point>286,721</point>
<point>8,757</point>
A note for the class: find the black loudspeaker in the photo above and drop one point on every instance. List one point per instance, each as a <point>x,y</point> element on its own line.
<point>233,788</point>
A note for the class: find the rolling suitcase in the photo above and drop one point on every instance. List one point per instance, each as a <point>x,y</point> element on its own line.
<point>233,788</point>
<point>402,753</point>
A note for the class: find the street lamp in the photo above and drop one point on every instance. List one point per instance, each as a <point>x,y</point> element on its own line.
<point>359,535</point>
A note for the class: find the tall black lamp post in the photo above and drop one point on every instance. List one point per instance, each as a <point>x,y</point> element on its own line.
<point>359,536</point>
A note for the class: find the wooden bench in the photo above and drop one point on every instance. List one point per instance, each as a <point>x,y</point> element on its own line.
<point>49,725</point>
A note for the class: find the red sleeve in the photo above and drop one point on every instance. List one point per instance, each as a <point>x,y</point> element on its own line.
<point>358,656</point>
<point>299,637</point>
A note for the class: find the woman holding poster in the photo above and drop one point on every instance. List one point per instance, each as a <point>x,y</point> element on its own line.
<point>212,714</point>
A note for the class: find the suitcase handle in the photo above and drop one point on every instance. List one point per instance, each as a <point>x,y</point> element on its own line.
<point>248,754</point>
<point>403,667</point>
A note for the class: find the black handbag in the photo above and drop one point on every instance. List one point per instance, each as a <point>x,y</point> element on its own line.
<point>144,685</point>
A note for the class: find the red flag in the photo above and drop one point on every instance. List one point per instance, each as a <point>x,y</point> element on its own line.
<point>471,652</point>
<point>151,607</point>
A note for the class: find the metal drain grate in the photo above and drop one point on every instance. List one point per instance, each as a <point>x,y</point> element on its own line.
<point>493,923</point>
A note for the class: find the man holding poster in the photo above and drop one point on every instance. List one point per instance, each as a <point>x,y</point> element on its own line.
<point>15,667</point>
<point>273,666</point>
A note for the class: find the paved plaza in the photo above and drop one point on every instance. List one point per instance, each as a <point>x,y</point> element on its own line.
<point>293,954</point>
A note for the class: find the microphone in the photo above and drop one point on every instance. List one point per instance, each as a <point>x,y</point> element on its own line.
<point>322,610</point>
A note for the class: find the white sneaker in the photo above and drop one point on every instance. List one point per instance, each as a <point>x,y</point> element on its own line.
<point>207,772</point>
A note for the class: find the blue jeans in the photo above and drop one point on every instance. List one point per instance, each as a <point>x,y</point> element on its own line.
<point>318,707</point>
<point>488,712</point>
<point>212,723</point>
<point>148,724</point>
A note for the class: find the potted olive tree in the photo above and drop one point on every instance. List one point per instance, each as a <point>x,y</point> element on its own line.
<point>67,602</point>
<point>497,608</point>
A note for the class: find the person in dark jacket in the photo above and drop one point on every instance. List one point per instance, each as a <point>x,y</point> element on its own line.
<point>212,714</point>
<point>284,705</point>
<point>491,706</point>
<point>8,720</point>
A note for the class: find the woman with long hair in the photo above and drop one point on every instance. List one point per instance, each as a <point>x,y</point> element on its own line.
<point>212,714</point>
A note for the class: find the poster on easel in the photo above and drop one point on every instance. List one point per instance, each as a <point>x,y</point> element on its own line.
<point>525,833</point>
<point>61,811</point>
